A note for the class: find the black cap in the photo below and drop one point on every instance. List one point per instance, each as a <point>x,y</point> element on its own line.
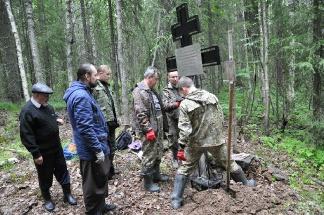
<point>41,88</point>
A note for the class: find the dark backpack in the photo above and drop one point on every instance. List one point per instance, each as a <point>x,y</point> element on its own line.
<point>123,140</point>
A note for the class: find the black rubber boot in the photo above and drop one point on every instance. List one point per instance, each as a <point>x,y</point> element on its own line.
<point>49,205</point>
<point>179,185</point>
<point>148,182</point>
<point>67,195</point>
<point>239,176</point>
<point>106,208</point>
<point>175,163</point>
<point>157,174</point>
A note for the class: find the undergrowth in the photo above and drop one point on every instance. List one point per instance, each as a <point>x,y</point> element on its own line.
<point>306,165</point>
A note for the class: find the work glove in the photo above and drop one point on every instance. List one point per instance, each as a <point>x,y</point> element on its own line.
<point>181,155</point>
<point>100,157</point>
<point>150,136</point>
<point>179,100</point>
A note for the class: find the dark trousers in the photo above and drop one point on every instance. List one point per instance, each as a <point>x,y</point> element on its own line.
<point>94,184</point>
<point>53,164</point>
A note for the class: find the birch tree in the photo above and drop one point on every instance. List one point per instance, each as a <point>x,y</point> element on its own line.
<point>266,65</point>
<point>33,42</point>
<point>18,47</point>
<point>69,40</point>
<point>121,62</point>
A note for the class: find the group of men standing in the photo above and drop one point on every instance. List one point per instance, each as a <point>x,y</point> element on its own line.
<point>192,118</point>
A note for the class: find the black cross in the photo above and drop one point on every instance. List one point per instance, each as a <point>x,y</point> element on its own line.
<point>184,29</point>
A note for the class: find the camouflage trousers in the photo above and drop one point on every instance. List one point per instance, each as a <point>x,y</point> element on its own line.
<point>152,151</point>
<point>173,134</point>
<point>193,155</point>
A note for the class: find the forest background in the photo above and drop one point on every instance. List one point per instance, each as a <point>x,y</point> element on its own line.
<point>278,50</point>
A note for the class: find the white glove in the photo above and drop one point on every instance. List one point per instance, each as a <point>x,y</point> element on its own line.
<point>100,157</point>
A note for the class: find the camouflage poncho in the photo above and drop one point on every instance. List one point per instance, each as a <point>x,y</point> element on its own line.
<point>200,120</point>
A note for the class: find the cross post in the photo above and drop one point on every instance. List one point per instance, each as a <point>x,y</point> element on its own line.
<point>187,57</point>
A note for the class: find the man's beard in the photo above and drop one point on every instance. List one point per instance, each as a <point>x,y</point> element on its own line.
<point>92,85</point>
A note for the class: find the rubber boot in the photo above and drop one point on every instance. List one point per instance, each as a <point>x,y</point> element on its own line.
<point>175,163</point>
<point>239,176</point>
<point>157,174</point>
<point>148,182</point>
<point>67,195</point>
<point>179,185</point>
<point>49,205</point>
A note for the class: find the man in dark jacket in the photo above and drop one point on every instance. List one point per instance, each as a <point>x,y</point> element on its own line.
<point>39,133</point>
<point>90,135</point>
<point>148,111</point>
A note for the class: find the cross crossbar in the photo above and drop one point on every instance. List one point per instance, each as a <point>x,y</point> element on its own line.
<point>209,56</point>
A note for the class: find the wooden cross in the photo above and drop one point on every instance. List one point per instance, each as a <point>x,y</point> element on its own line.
<point>184,29</point>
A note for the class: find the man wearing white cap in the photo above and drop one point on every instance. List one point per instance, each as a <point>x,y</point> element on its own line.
<point>39,133</point>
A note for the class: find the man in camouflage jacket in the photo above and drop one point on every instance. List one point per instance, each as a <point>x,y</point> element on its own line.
<point>106,99</point>
<point>200,125</point>
<point>148,124</point>
<point>171,95</point>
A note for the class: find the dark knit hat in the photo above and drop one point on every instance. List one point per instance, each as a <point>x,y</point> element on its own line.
<point>41,88</point>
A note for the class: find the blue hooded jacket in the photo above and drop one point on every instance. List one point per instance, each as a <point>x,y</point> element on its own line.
<point>89,126</point>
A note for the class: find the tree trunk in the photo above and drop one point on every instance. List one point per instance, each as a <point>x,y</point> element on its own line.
<point>9,75</point>
<point>18,47</point>
<point>113,55</point>
<point>33,42</point>
<point>69,40</point>
<point>318,34</point>
<point>45,46</point>
<point>157,39</point>
<point>85,33</point>
<point>266,75</point>
<point>121,62</point>
<point>92,34</point>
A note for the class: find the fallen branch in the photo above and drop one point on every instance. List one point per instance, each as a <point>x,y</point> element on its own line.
<point>318,182</point>
<point>12,150</point>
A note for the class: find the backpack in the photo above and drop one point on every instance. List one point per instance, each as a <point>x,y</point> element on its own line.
<point>123,140</point>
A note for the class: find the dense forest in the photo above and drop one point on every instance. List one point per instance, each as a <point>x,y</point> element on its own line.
<point>275,47</point>
<point>277,50</point>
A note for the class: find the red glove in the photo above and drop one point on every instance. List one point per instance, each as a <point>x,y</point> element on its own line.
<point>181,155</point>
<point>150,136</point>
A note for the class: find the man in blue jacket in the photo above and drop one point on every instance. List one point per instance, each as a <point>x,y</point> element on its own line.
<point>90,135</point>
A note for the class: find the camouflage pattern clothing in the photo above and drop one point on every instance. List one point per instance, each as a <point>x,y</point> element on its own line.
<point>145,118</point>
<point>105,103</point>
<point>170,95</point>
<point>200,125</point>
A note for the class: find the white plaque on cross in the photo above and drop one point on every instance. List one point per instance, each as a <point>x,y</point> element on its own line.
<point>189,61</point>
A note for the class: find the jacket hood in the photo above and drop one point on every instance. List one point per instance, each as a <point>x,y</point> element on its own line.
<point>202,97</point>
<point>76,85</point>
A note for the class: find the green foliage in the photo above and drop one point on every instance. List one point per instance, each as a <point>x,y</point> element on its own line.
<point>8,106</point>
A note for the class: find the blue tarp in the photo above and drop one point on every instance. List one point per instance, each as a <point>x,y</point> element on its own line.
<point>67,153</point>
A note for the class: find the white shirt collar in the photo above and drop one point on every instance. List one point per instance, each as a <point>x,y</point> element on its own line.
<point>36,103</point>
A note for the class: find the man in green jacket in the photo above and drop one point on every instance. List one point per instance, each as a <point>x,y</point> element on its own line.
<point>171,95</point>
<point>106,100</point>
<point>200,125</point>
